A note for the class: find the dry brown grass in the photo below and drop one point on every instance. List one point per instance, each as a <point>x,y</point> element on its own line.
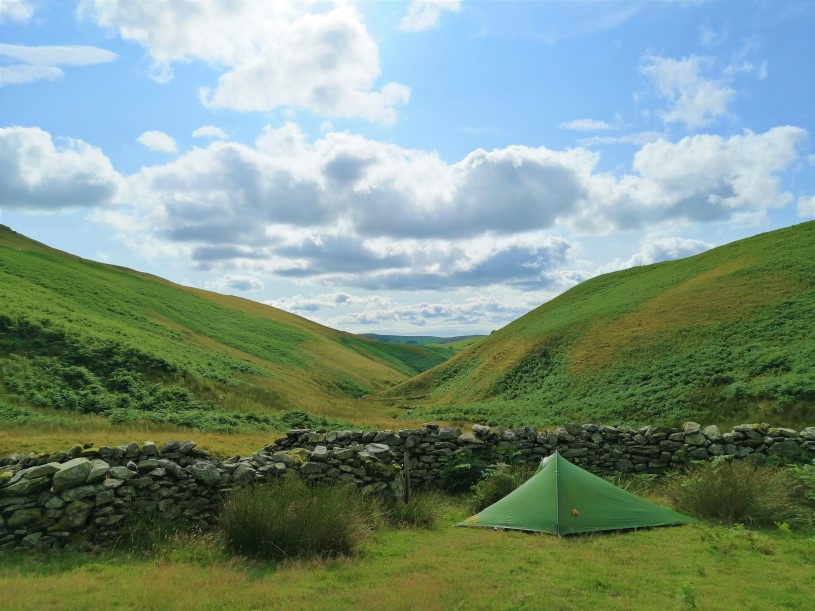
<point>718,294</point>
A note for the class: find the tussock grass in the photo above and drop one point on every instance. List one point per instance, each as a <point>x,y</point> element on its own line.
<point>290,519</point>
<point>422,511</point>
<point>743,492</point>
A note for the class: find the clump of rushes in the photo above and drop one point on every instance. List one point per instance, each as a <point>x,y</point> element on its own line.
<point>290,519</point>
<point>742,492</point>
<point>421,511</point>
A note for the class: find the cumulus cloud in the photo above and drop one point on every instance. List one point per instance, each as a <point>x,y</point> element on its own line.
<point>232,190</point>
<point>424,14</point>
<point>489,311</point>
<point>806,206</point>
<point>341,309</point>
<point>236,282</point>
<point>700,178</point>
<point>37,174</point>
<point>329,301</point>
<point>520,266</point>
<point>344,210</point>
<point>41,62</point>
<point>661,249</point>
<point>586,125</point>
<point>692,99</point>
<point>315,56</point>
<point>15,10</point>
<point>210,131</point>
<point>158,141</point>
<point>348,211</point>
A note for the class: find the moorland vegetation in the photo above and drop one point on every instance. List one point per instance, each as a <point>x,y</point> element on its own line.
<point>86,338</point>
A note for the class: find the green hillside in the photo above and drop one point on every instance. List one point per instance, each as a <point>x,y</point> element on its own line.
<point>96,339</point>
<point>725,335</point>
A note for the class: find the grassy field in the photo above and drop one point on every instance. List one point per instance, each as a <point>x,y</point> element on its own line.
<point>724,336</point>
<point>95,339</point>
<point>689,567</point>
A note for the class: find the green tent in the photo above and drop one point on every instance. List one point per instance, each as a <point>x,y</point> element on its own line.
<point>563,499</point>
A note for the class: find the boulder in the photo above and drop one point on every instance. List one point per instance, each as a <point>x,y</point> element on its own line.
<point>244,474</point>
<point>71,474</point>
<point>691,427</point>
<point>21,517</point>
<point>99,469</point>
<point>205,472</point>
<point>26,486</point>
<point>712,432</point>
<point>40,471</point>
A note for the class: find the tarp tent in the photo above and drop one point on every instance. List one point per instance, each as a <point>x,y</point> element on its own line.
<point>563,499</point>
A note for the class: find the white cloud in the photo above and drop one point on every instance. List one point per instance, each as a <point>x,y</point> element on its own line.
<point>329,301</point>
<point>638,139</point>
<point>40,62</point>
<point>424,14</point>
<point>692,99</point>
<point>806,206</point>
<point>158,141</point>
<point>245,283</point>
<point>210,131</point>
<point>345,210</point>
<point>58,55</point>
<point>586,125</point>
<point>658,249</point>
<point>36,174</point>
<point>20,74</point>
<point>15,10</point>
<point>302,55</point>
<point>478,311</point>
<point>356,212</point>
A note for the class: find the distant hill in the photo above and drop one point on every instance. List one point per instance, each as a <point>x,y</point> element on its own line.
<point>424,340</point>
<point>725,335</point>
<point>93,338</point>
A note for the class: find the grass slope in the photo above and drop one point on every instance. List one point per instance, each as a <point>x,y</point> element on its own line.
<point>96,339</point>
<point>725,335</point>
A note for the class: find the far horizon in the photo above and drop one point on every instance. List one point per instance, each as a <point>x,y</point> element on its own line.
<point>403,168</point>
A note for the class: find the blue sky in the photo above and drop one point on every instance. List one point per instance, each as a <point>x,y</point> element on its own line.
<point>403,167</point>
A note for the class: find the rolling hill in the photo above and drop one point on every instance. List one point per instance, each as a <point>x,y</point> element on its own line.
<point>725,335</point>
<point>80,336</point>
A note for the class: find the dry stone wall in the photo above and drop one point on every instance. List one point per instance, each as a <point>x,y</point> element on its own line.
<point>89,496</point>
<point>600,449</point>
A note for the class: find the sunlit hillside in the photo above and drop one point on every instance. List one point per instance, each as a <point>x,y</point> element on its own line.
<point>725,335</point>
<point>83,337</point>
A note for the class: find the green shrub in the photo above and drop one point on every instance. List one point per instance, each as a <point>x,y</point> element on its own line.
<point>742,492</point>
<point>805,474</point>
<point>422,511</point>
<point>462,471</point>
<point>498,481</point>
<point>288,519</point>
